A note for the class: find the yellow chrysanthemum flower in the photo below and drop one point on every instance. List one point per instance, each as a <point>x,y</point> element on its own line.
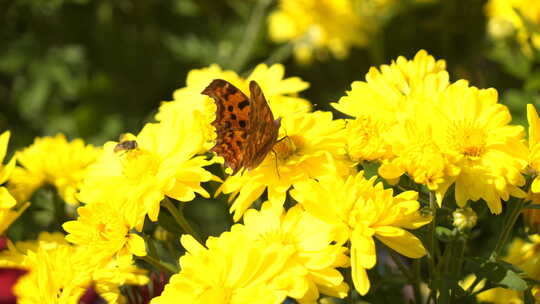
<point>9,215</point>
<point>314,27</point>
<point>312,145</point>
<point>440,133</point>
<point>6,199</point>
<point>360,210</point>
<point>415,143</point>
<point>9,209</point>
<point>526,256</point>
<point>365,141</point>
<point>531,217</point>
<point>380,103</point>
<point>496,295</point>
<point>199,110</point>
<point>313,254</point>
<point>516,16</point>
<point>72,272</point>
<point>17,251</point>
<point>230,269</point>
<point>163,164</point>
<point>102,228</point>
<point>390,90</point>
<point>492,153</point>
<point>55,161</point>
<point>534,146</point>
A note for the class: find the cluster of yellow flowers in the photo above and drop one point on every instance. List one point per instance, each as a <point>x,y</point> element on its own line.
<point>406,116</point>
<point>439,133</point>
<point>516,18</point>
<point>316,27</point>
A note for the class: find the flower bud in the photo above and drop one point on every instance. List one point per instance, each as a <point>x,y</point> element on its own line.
<point>464,218</point>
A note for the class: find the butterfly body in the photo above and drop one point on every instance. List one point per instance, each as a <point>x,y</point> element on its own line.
<point>246,128</point>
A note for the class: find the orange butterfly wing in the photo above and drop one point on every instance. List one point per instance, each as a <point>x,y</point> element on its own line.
<point>246,129</point>
<point>263,129</point>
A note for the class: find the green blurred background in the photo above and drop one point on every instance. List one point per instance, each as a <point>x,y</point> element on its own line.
<point>95,69</point>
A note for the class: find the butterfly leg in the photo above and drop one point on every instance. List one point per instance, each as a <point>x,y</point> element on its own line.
<point>276,158</point>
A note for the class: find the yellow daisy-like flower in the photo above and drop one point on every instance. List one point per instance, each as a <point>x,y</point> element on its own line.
<point>417,151</point>
<point>9,209</point>
<point>312,145</point>
<point>163,164</point>
<point>389,96</point>
<point>389,91</point>
<point>55,161</point>
<point>73,273</point>
<point>492,153</point>
<point>516,16</point>
<point>531,217</point>
<point>199,110</point>
<point>102,229</point>
<point>526,256</point>
<point>534,146</point>
<point>230,269</point>
<point>497,295</point>
<point>6,199</point>
<point>9,215</point>
<point>313,253</point>
<point>17,251</point>
<point>360,210</point>
<point>314,27</point>
<point>365,140</point>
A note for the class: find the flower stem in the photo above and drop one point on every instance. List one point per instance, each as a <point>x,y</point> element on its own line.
<point>281,54</point>
<point>404,270</point>
<point>509,221</point>
<point>416,282</point>
<point>412,275</point>
<point>158,264</point>
<point>180,219</point>
<point>432,241</point>
<point>245,48</point>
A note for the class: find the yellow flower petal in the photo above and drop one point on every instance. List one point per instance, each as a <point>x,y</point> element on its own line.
<point>136,245</point>
<point>401,241</point>
<point>6,199</point>
<point>4,138</point>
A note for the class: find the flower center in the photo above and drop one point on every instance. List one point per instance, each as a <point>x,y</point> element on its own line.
<point>288,145</point>
<point>364,141</point>
<point>139,163</point>
<point>468,139</point>
<point>102,229</point>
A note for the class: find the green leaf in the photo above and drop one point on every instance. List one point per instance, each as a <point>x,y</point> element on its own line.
<point>513,281</point>
<point>512,58</point>
<point>533,82</point>
<point>370,169</point>
<point>500,273</point>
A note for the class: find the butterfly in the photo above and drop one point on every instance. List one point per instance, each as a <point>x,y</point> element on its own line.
<point>246,128</point>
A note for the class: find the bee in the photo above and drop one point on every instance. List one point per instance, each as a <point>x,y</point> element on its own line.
<point>125,145</point>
